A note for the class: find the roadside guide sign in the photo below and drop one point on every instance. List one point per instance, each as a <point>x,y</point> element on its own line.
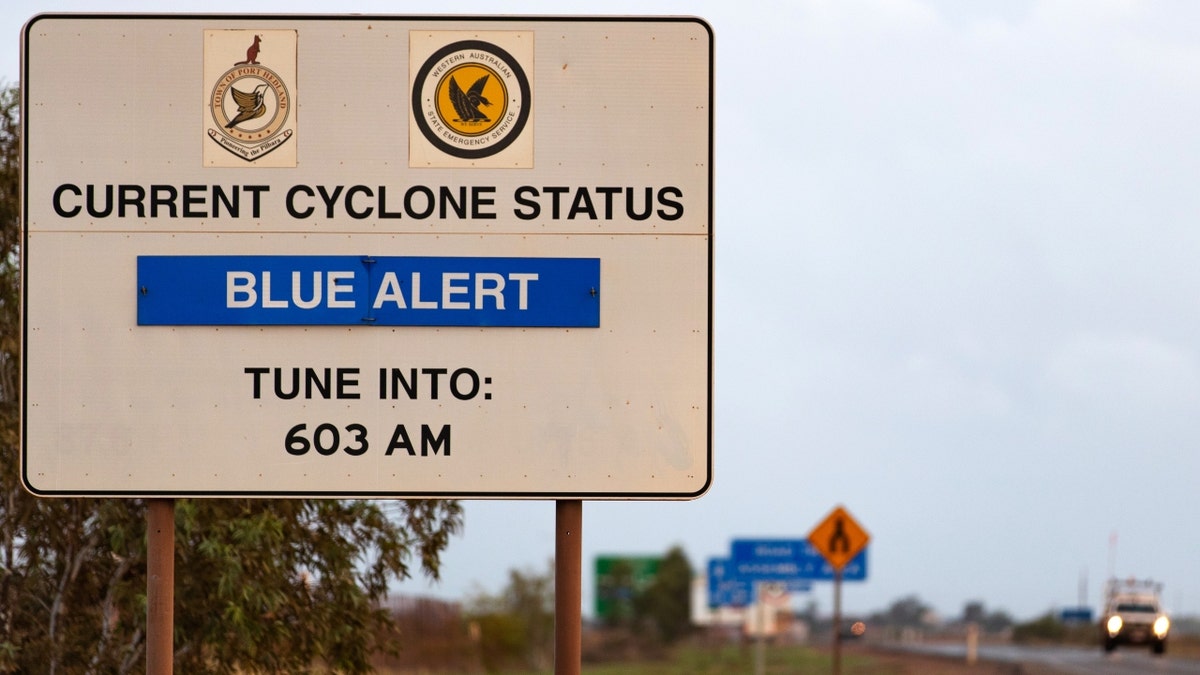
<point>618,581</point>
<point>777,559</point>
<point>726,589</point>
<point>839,538</point>
<point>251,268</point>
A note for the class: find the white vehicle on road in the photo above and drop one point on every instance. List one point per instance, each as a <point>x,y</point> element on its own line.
<point>1133,615</point>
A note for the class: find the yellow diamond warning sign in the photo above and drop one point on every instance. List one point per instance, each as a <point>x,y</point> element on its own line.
<point>839,537</point>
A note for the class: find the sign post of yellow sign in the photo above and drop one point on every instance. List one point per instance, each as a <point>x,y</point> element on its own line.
<point>839,538</point>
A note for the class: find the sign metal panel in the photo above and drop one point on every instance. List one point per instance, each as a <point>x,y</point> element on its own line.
<point>477,263</point>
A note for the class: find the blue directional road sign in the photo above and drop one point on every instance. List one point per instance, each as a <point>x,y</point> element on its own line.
<point>782,559</point>
<point>726,589</point>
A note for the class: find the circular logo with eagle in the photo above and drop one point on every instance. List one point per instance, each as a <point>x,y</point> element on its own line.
<point>250,102</point>
<point>471,99</point>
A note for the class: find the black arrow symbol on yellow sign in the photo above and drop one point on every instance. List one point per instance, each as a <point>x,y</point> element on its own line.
<point>838,541</point>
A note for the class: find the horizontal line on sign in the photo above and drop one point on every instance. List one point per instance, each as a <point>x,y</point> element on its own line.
<point>342,233</point>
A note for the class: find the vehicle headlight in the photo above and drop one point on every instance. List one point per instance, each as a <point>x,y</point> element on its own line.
<point>1114,624</point>
<point>1161,625</point>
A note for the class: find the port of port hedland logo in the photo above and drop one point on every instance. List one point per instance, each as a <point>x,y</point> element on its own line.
<point>471,100</point>
<point>251,108</point>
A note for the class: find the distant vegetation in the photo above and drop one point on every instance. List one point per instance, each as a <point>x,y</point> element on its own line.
<point>1049,629</point>
<point>512,631</point>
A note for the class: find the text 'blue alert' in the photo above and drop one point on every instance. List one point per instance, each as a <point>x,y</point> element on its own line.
<point>368,290</point>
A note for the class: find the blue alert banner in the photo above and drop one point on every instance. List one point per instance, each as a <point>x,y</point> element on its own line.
<point>368,290</point>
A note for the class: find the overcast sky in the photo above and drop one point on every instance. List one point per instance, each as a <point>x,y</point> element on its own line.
<point>957,291</point>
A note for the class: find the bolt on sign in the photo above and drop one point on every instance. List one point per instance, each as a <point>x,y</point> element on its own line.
<point>366,256</point>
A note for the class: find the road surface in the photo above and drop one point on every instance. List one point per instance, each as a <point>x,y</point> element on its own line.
<point>1071,660</point>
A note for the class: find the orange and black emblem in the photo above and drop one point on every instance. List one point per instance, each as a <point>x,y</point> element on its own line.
<point>471,99</point>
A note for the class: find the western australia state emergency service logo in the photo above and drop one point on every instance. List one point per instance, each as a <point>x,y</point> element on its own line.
<point>471,99</point>
<point>251,104</point>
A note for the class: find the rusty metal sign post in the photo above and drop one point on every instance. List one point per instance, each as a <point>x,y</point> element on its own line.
<point>160,586</point>
<point>568,587</point>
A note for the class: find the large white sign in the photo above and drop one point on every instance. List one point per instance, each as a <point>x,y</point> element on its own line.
<point>367,256</point>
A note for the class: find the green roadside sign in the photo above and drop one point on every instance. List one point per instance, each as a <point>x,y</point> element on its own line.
<point>618,581</point>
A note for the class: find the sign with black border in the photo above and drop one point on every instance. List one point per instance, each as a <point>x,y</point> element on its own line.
<point>367,256</point>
